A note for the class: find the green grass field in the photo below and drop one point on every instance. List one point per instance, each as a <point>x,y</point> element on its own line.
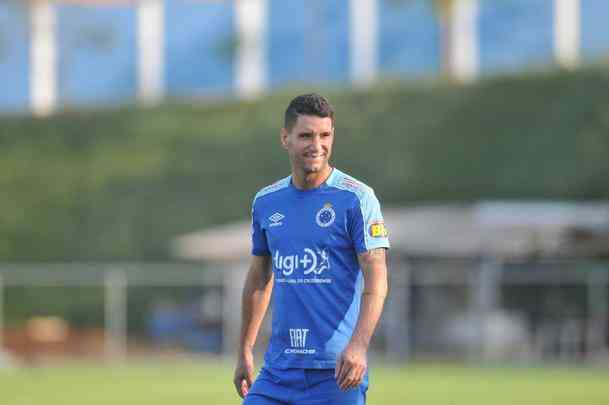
<point>210,384</point>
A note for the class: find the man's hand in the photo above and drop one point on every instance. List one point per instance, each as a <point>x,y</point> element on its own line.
<point>351,366</point>
<point>254,302</point>
<point>244,374</point>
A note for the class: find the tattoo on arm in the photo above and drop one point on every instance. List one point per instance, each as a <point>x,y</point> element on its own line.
<point>372,257</point>
<point>377,252</point>
<point>374,267</point>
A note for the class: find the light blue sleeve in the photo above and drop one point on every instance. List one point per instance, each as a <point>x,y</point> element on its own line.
<point>368,227</point>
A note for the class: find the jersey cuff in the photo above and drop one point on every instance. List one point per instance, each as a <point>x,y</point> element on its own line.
<point>377,245</point>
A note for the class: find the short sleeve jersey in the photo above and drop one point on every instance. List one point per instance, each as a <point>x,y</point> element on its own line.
<point>313,238</point>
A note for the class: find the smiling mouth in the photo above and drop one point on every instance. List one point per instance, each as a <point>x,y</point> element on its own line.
<point>316,156</point>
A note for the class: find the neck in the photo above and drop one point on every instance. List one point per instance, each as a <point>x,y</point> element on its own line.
<point>309,181</point>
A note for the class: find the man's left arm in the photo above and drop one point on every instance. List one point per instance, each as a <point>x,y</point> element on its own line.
<point>352,363</point>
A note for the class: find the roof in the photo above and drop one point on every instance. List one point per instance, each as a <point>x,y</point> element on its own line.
<point>505,230</point>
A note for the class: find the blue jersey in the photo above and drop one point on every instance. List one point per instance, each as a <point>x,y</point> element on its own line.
<point>313,238</point>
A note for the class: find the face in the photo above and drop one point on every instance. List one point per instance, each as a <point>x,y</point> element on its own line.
<point>309,143</point>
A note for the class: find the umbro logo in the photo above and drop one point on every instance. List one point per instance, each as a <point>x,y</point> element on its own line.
<point>276,219</point>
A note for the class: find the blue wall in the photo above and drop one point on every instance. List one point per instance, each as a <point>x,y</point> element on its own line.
<point>14,56</point>
<point>96,47</point>
<point>308,43</point>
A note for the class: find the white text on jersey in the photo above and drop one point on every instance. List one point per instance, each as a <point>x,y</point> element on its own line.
<point>309,261</point>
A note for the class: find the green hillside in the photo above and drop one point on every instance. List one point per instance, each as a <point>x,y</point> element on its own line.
<point>120,184</point>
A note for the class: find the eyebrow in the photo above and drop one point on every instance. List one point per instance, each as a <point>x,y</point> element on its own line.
<point>308,131</point>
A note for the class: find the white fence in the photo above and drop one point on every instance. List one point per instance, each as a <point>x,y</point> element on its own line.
<point>489,310</point>
<point>118,282</point>
<point>473,310</point>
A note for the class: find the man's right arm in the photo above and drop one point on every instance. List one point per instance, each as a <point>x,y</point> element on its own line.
<point>255,301</point>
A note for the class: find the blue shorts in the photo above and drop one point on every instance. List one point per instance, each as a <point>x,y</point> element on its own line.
<point>302,386</point>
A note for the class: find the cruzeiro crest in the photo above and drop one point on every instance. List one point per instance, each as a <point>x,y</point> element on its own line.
<point>325,216</point>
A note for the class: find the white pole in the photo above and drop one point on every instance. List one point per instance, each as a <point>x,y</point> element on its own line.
<point>116,315</point>
<point>363,34</point>
<point>151,51</point>
<point>463,34</point>
<point>43,86</point>
<point>567,32</point>
<point>250,22</point>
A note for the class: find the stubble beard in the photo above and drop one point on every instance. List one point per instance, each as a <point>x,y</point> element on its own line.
<point>312,173</point>
<point>314,168</point>
<point>299,164</point>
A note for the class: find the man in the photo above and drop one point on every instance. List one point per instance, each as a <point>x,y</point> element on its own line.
<point>319,246</point>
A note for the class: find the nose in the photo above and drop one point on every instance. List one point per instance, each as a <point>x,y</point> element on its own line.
<point>316,142</point>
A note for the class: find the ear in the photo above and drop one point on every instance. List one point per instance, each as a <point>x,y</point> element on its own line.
<point>283,137</point>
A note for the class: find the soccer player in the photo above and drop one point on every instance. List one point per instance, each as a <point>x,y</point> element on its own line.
<point>319,246</point>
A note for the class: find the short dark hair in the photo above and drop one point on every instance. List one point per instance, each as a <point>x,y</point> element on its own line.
<point>307,104</point>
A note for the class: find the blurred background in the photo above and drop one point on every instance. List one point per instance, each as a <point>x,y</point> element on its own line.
<point>135,133</point>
